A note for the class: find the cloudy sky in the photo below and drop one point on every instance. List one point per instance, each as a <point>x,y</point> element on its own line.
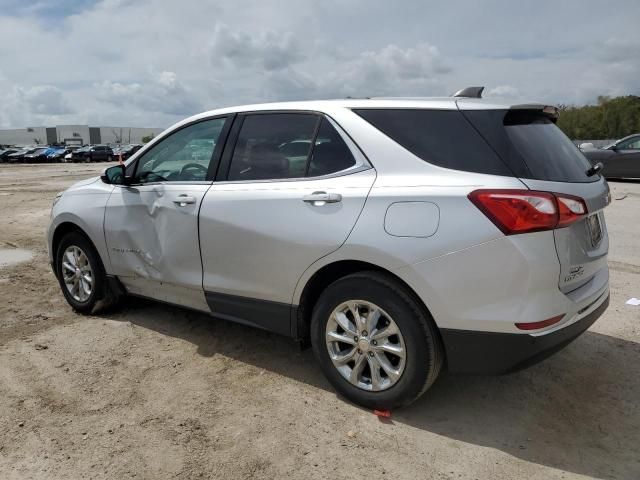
<point>153,62</point>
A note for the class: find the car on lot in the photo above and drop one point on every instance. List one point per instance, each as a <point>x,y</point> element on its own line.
<point>621,159</point>
<point>68,157</point>
<point>93,153</point>
<point>4,153</point>
<point>39,155</point>
<point>18,157</point>
<point>125,151</point>
<point>57,154</point>
<point>421,234</point>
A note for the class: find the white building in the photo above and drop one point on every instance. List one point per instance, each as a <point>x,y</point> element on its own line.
<point>75,135</point>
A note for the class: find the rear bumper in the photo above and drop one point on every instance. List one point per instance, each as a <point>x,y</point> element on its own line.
<point>497,353</point>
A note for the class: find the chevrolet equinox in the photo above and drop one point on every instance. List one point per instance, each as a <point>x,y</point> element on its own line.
<point>398,236</point>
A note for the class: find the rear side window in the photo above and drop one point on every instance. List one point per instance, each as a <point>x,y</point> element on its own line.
<point>277,146</point>
<point>273,146</point>
<point>441,137</point>
<point>532,145</point>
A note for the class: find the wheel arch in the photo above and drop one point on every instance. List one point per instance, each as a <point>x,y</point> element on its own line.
<point>328,274</point>
<point>58,234</point>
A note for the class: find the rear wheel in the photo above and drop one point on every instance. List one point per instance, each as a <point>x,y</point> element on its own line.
<point>374,342</point>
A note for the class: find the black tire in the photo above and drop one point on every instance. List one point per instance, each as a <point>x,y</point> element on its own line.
<point>100,292</point>
<point>424,351</point>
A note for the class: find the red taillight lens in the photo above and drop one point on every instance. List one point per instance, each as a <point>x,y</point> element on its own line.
<point>538,325</point>
<point>570,209</point>
<point>522,211</point>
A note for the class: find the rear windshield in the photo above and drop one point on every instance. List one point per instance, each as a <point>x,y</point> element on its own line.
<point>532,145</point>
<point>521,143</point>
<point>441,137</point>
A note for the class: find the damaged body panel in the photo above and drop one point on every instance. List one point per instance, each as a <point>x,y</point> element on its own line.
<point>152,237</point>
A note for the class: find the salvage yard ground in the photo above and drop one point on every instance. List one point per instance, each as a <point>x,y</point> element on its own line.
<point>155,392</point>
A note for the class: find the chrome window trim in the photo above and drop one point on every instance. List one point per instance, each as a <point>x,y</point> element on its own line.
<point>341,173</point>
<point>166,182</point>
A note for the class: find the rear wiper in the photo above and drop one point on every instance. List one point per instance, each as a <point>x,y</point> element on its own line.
<point>595,169</point>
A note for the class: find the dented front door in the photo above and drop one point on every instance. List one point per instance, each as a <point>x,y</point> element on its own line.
<point>151,224</point>
<point>152,237</point>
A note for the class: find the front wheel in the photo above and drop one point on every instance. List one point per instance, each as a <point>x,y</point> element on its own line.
<point>377,346</point>
<point>81,275</point>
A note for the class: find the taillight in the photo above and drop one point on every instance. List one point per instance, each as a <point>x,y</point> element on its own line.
<point>522,211</point>
<point>570,209</point>
<point>541,324</point>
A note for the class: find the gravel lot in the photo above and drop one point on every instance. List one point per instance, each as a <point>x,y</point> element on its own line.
<point>156,392</point>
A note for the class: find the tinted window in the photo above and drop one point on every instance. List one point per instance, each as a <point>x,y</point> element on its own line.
<point>330,153</point>
<point>442,137</point>
<point>632,143</point>
<point>183,156</point>
<point>532,145</point>
<point>273,146</point>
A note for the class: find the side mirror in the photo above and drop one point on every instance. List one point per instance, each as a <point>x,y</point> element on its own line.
<point>613,148</point>
<point>115,175</point>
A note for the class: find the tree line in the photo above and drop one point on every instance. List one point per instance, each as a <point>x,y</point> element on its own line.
<point>611,118</point>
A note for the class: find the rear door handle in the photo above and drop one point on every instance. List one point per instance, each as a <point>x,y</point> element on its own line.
<point>321,198</point>
<point>184,200</point>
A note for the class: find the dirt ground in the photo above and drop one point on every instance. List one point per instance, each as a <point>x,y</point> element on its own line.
<point>155,392</point>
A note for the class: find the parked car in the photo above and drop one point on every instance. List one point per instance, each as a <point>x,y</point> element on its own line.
<point>20,154</point>
<point>93,153</point>
<point>125,150</point>
<point>421,234</point>
<point>57,154</point>
<point>4,154</point>
<point>619,160</point>
<point>38,155</point>
<point>68,157</point>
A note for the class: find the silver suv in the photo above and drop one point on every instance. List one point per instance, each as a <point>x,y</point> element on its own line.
<point>399,236</point>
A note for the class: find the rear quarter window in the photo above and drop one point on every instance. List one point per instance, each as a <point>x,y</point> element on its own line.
<point>441,137</point>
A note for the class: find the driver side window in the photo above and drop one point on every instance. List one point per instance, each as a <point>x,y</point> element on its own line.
<point>184,156</point>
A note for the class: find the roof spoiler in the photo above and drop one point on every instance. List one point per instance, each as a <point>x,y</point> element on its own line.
<point>470,92</point>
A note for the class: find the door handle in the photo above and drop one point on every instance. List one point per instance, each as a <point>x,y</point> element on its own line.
<point>184,200</point>
<point>321,198</point>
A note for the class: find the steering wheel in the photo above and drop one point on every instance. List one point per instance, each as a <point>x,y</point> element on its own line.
<point>194,166</point>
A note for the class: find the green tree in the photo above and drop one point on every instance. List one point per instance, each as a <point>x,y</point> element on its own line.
<point>147,138</point>
<point>610,118</point>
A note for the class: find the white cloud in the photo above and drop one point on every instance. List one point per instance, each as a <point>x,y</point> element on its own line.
<point>503,91</point>
<point>391,70</point>
<point>269,50</point>
<point>163,94</point>
<point>43,100</point>
<point>31,105</point>
<point>152,62</point>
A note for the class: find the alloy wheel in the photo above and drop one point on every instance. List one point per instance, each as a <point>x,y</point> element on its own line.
<point>365,345</point>
<point>77,273</point>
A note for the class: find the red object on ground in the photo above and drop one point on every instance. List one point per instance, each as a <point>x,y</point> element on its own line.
<point>382,413</point>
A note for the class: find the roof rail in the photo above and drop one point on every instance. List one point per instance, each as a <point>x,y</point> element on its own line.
<point>470,92</point>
